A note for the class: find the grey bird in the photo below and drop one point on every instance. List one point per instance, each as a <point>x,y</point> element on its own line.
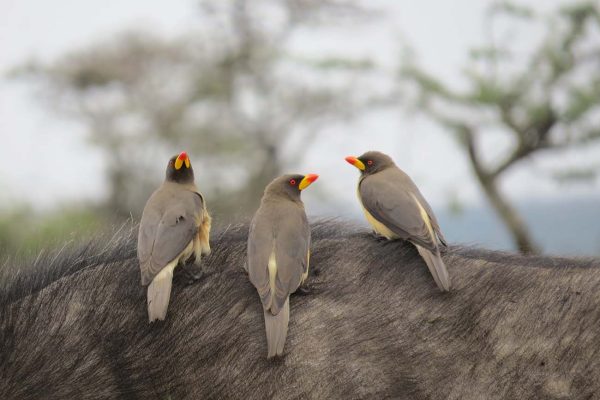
<point>175,229</point>
<point>396,209</point>
<point>279,252</point>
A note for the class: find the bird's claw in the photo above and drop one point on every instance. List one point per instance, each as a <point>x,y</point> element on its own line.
<point>307,289</point>
<point>303,291</point>
<point>377,236</point>
<point>193,272</point>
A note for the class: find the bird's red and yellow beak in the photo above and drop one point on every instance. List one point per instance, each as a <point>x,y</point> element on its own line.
<point>356,162</point>
<point>307,180</point>
<point>182,159</point>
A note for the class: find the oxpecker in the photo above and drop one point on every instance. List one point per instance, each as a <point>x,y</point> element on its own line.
<point>174,230</point>
<point>279,252</point>
<point>396,209</point>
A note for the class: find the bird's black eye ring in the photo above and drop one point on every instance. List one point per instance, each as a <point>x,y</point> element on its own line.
<point>292,182</point>
<point>370,162</point>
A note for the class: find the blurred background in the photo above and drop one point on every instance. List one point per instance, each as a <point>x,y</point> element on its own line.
<point>492,107</point>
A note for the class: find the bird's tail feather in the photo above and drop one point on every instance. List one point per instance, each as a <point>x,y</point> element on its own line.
<point>436,267</point>
<point>159,294</point>
<point>276,327</point>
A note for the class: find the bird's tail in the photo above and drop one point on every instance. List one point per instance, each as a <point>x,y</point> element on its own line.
<point>159,293</point>
<point>276,327</point>
<point>436,267</point>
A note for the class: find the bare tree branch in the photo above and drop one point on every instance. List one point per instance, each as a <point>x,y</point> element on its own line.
<point>538,107</point>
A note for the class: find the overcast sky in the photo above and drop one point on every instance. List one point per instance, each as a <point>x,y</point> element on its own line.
<point>44,159</point>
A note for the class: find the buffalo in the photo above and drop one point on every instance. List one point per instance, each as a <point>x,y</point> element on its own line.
<point>371,324</point>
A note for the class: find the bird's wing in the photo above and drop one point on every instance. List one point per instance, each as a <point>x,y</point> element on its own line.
<point>163,236</point>
<point>147,231</point>
<point>434,222</point>
<point>260,247</point>
<point>292,244</point>
<point>396,206</point>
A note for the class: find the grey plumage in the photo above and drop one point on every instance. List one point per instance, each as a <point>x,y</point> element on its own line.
<point>174,228</point>
<point>159,294</point>
<point>517,327</point>
<point>276,328</point>
<point>278,254</point>
<point>395,208</point>
<point>436,267</point>
<point>168,225</point>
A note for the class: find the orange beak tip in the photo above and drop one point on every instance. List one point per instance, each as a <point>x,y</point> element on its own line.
<point>307,180</point>
<point>182,158</point>
<point>355,162</point>
<point>351,159</point>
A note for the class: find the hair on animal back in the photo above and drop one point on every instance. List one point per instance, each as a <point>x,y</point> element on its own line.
<point>373,325</point>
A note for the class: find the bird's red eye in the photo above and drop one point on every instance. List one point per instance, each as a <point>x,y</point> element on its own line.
<point>292,182</point>
<point>370,162</point>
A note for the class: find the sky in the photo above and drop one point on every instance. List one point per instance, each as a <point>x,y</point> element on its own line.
<point>42,149</point>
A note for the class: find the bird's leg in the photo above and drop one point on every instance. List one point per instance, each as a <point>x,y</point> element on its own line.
<point>443,249</point>
<point>192,270</point>
<point>309,286</point>
<point>378,236</point>
<point>302,291</point>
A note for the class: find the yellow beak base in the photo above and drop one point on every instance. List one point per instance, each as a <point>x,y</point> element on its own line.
<point>178,163</point>
<point>307,180</point>
<point>182,159</point>
<point>356,162</point>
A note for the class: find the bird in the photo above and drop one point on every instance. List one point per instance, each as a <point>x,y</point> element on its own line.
<point>174,230</point>
<point>396,209</point>
<point>279,253</point>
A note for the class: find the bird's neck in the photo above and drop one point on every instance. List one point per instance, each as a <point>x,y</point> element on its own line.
<point>181,185</point>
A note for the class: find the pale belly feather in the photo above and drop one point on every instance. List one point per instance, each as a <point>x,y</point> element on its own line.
<point>383,230</point>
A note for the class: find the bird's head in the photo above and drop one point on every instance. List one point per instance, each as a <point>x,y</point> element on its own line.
<point>371,162</point>
<point>291,185</point>
<point>179,169</point>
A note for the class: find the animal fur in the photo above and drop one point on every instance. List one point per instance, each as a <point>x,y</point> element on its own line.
<point>374,325</point>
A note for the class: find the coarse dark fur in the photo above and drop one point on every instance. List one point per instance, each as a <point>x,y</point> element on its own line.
<point>373,325</point>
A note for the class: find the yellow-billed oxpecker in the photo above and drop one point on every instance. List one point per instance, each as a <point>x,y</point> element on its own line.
<point>174,229</point>
<point>279,252</point>
<point>396,209</point>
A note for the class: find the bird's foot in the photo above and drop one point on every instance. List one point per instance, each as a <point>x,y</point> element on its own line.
<point>303,291</point>
<point>193,272</point>
<point>378,237</point>
<point>307,289</point>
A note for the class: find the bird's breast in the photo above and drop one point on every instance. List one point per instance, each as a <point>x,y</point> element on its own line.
<point>378,226</point>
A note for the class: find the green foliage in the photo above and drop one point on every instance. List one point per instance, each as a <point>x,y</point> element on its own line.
<point>338,63</point>
<point>488,53</point>
<point>538,100</point>
<point>428,84</point>
<point>583,99</point>
<point>24,231</point>
<point>231,94</point>
<point>512,9</point>
<point>579,175</point>
<point>455,206</point>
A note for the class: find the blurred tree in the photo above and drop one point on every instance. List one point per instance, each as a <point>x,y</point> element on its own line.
<point>24,231</point>
<point>231,91</point>
<point>544,101</point>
